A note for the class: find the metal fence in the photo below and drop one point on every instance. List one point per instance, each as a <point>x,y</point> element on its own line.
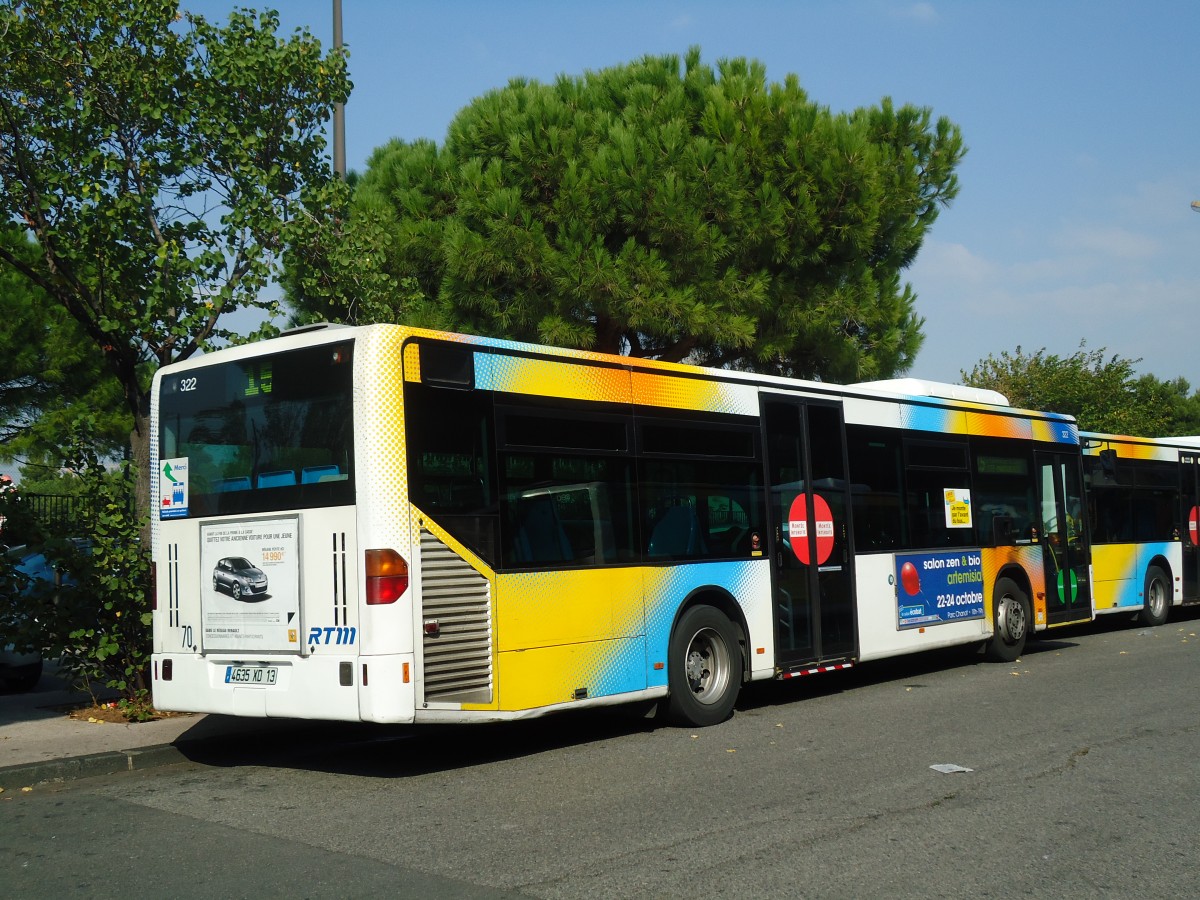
<point>44,515</point>
<point>57,514</point>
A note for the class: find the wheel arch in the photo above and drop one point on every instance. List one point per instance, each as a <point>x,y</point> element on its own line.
<point>1016,574</point>
<point>1161,562</point>
<point>722,600</point>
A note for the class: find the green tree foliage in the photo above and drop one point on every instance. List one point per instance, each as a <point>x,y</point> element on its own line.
<point>50,374</point>
<point>667,211</point>
<point>1103,392</point>
<point>1183,403</point>
<point>159,162</point>
<point>339,270</point>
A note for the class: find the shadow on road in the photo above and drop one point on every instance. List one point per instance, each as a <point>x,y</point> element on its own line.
<point>396,751</point>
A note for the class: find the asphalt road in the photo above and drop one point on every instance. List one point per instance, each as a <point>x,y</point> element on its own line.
<point>1083,784</point>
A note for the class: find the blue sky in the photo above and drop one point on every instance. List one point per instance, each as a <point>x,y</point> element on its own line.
<point>1073,219</point>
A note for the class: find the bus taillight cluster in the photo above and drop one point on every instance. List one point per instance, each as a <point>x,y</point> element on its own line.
<point>387,576</point>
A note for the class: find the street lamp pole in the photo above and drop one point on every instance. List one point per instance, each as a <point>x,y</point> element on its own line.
<point>339,109</point>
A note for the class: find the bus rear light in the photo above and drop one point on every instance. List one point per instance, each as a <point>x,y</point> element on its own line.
<point>387,576</point>
<point>167,670</point>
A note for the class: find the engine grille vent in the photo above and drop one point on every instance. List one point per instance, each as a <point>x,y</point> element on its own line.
<point>457,633</point>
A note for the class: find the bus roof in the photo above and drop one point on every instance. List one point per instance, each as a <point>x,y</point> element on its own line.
<point>919,387</point>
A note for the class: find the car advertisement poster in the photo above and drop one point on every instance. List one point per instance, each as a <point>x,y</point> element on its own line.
<point>250,584</point>
<point>934,588</point>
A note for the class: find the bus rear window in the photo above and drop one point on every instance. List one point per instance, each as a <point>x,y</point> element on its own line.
<point>268,433</point>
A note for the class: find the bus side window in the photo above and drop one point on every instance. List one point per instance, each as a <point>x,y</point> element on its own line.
<point>540,537</point>
<point>676,533</point>
<point>875,460</point>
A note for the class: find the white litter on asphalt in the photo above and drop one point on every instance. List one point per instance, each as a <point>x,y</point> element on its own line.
<point>949,768</point>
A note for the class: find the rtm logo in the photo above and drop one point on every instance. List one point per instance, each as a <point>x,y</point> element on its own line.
<point>332,635</point>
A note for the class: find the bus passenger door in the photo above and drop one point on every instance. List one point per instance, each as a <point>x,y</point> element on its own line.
<point>810,532</point>
<point>1064,538</point>
<point>1189,475</point>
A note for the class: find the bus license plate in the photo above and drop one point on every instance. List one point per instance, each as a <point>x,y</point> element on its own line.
<point>251,674</point>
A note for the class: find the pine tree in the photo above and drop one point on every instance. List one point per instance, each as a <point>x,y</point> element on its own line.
<point>670,211</point>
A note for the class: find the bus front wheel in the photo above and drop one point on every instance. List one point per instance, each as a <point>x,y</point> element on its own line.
<point>1010,619</point>
<point>704,672</point>
<point>1158,602</point>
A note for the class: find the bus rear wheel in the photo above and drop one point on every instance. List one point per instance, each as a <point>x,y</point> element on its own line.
<point>704,671</point>
<point>1157,603</point>
<point>1010,619</point>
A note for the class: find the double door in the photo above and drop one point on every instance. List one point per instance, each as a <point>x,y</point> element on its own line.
<point>1064,538</point>
<point>812,570</point>
<point>1189,468</point>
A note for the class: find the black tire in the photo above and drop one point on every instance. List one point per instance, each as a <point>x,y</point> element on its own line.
<point>235,591</point>
<point>1010,621</point>
<point>704,668</point>
<point>1157,597</point>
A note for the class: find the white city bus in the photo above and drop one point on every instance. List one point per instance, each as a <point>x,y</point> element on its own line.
<point>393,525</point>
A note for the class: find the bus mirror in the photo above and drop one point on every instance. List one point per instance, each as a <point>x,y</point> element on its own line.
<point>1108,464</point>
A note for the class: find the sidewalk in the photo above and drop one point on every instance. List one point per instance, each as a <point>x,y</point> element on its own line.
<point>39,742</point>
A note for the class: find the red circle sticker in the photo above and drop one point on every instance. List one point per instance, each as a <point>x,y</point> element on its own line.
<point>1194,524</point>
<point>797,530</point>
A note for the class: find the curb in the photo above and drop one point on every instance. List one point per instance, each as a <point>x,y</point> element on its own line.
<point>90,766</point>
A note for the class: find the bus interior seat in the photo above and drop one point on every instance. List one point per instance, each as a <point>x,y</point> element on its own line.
<point>677,533</point>
<point>281,478</point>
<point>540,535</point>
<point>315,474</point>
<point>236,483</point>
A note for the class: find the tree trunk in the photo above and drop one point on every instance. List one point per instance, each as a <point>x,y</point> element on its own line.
<point>139,446</point>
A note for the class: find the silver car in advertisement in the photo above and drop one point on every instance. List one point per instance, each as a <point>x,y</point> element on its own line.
<point>239,578</point>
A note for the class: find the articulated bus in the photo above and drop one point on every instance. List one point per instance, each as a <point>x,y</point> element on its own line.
<point>387,524</point>
<point>1143,496</point>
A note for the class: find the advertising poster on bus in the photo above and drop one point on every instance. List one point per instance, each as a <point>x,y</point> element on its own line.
<point>251,584</point>
<point>173,488</point>
<point>934,588</point>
